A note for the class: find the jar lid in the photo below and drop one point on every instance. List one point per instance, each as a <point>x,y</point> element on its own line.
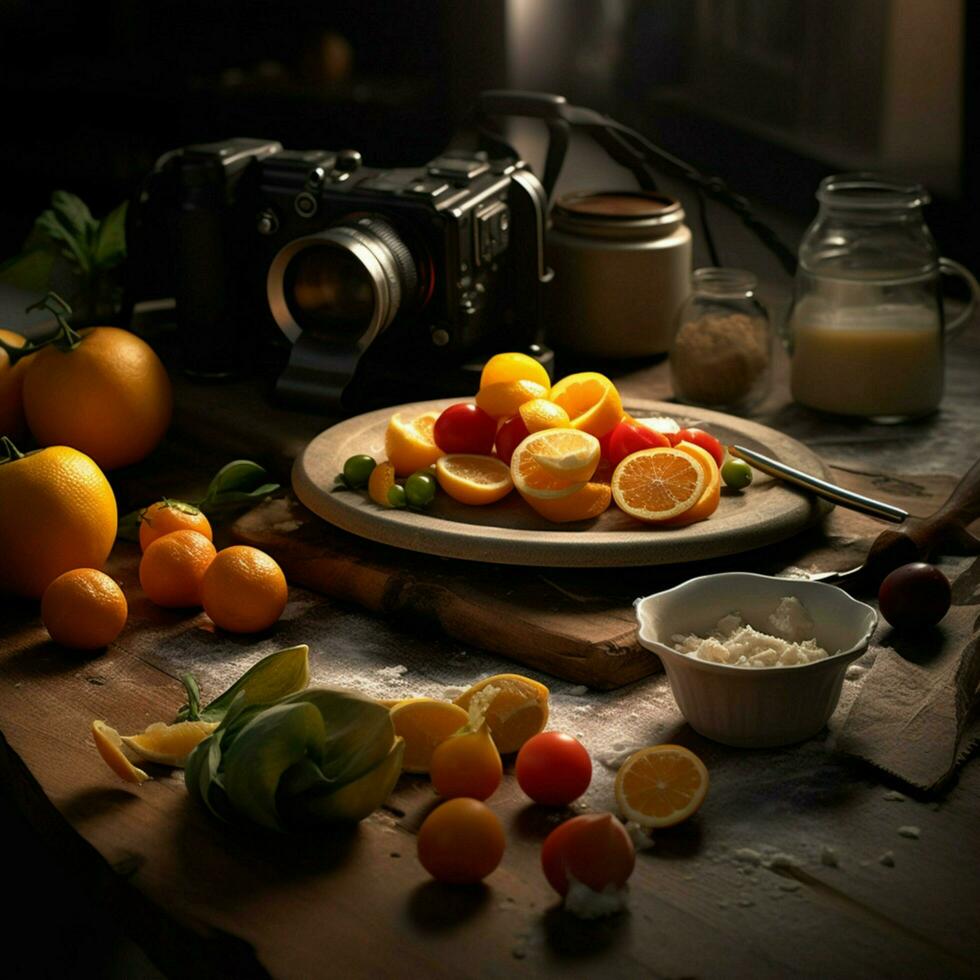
<point>648,211</point>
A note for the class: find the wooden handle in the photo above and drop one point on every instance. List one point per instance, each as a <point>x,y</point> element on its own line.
<point>946,529</point>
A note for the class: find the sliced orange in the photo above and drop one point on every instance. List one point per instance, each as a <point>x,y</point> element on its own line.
<point>425,723</point>
<point>110,746</point>
<point>409,444</point>
<point>583,505</point>
<point>540,413</point>
<point>657,484</point>
<point>591,400</point>
<point>566,453</point>
<point>513,367</point>
<point>473,479</point>
<point>711,496</point>
<point>517,709</point>
<point>169,745</point>
<point>661,785</point>
<point>381,480</point>
<point>503,398</point>
<point>534,480</point>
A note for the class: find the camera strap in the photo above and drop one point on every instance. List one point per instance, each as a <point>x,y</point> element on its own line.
<point>625,146</point>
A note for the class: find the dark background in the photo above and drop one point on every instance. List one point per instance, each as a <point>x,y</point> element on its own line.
<point>770,94</point>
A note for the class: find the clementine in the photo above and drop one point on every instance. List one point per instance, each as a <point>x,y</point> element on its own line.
<point>173,567</point>
<point>166,516</point>
<point>244,590</point>
<point>84,609</point>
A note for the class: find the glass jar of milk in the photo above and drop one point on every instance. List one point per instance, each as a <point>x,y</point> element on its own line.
<point>867,326</point>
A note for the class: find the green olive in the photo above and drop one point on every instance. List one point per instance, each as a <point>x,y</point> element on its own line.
<point>396,495</point>
<point>420,489</point>
<point>736,473</point>
<point>358,470</point>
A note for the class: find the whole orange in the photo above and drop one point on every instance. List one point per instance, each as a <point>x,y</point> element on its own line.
<point>244,590</point>
<point>166,516</point>
<point>109,396</point>
<point>173,567</point>
<point>84,609</point>
<point>12,387</point>
<point>57,512</point>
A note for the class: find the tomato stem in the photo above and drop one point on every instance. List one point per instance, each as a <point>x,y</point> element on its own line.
<point>66,338</point>
<point>11,451</point>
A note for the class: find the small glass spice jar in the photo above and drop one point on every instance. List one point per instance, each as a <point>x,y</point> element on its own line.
<point>721,356</point>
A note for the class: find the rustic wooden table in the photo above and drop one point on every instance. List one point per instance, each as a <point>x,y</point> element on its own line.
<point>780,874</point>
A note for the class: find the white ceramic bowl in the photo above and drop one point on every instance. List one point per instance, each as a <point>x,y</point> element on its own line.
<point>754,707</point>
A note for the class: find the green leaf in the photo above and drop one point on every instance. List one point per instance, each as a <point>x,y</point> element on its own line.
<point>74,215</point>
<point>51,225</point>
<point>272,678</point>
<point>110,239</point>
<point>241,474</point>
<point>272,742</point>
<point>193,697</point>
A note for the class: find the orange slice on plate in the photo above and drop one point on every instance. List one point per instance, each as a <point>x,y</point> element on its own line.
<point>381,480</point>
<point>710,497</point>
<point>534,480</point>
<point>409,444</point>
<point>565,453</point>
<point>583,505</point>
<point>473,479</point>
<point>658,484</point>
<point>591,400</point>
<point>661,785</point>
<point>503,398</point>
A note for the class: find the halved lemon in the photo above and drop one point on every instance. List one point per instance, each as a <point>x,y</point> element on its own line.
<point>169,745</point>
<point>409,444</point>
<point>425,723</point>
<point>566,453</point>
<point>503,398</point>
<point>661,785</point>
<point>541,413</point>
<point>657,484</point>
<point>591,400</point>
<point>473,479</point>
<point>517,711</point>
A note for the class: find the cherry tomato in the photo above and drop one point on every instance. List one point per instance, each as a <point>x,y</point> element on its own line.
<point>553,768</point>
<point>461,842</point>
<point>466,765</point>
<point>630,437</point>
<point>700,438</point>
<point>465,428</point>
<point>509,436</point>
<point>593,848</point>
<point>914,596</point>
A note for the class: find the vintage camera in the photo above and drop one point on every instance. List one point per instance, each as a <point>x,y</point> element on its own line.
<point>372,285</point>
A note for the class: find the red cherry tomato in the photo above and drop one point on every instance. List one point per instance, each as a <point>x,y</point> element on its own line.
<point>553,768</point>
<point>461,842</point>
<point>593,848</point>
<point>703,439</point>
<point>509,436</point>
<point>465,428</point>
<point>630,437</point>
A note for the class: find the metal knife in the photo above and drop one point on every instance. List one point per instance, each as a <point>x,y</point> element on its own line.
<point>921,539</point>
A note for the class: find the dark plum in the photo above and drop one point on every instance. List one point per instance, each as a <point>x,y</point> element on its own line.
<point>914,596</point>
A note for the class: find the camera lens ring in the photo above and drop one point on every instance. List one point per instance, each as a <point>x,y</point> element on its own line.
<point>377,250</point>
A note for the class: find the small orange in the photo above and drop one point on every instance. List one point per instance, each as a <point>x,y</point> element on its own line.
<point>58,512</point>
<point>661,785</point>
<point>166,516</point>
<point>513,366</point>
<point>173,567</point>
<point>244,590</point>
<point>12,387</point>
<point>539,413</point>
<point>109,397</point>
<point>84,609</point>
<point>409,443</point>
<point>592,500</point>
<point>656,484</point>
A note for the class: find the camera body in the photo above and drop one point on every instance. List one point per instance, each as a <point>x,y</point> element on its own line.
<point>401,276</point>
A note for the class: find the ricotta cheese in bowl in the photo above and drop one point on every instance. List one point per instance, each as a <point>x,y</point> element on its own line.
<point>755,660</point>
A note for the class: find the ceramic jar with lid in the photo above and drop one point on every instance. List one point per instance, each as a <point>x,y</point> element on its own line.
<point>622,263</point>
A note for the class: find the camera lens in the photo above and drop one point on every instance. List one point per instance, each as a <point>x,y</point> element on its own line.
<point>345,283</point>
